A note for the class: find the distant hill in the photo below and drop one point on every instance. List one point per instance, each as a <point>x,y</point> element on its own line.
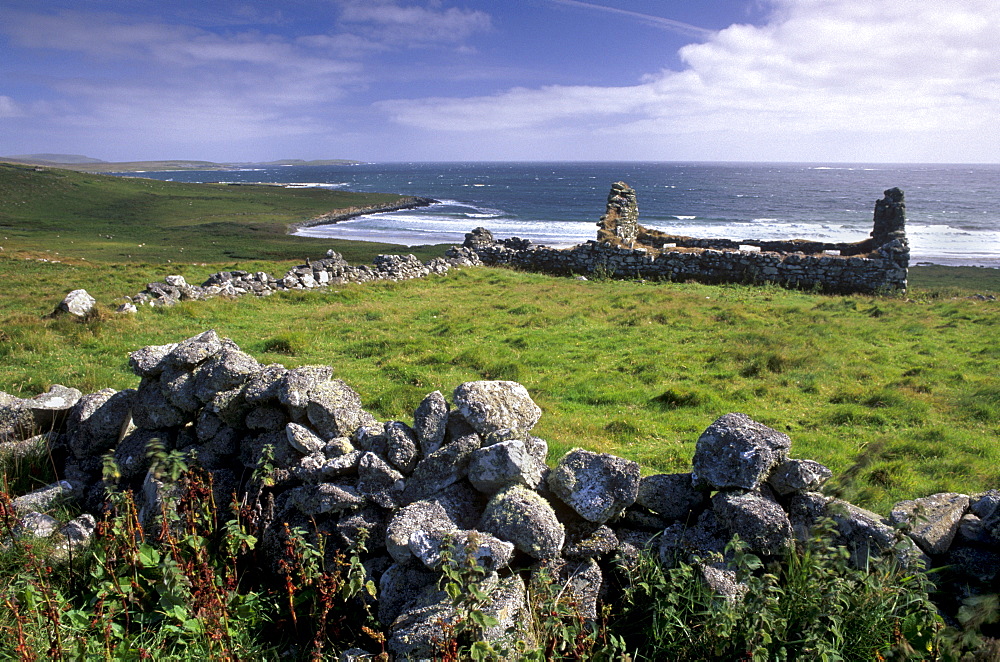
<point>87,164</point>
<point>52,158</point>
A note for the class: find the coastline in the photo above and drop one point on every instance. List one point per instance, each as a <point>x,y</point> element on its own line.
<point>331,218</point>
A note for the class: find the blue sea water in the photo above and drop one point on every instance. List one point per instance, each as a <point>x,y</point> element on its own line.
<point>953,211</point>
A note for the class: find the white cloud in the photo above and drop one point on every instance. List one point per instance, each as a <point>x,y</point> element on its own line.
<point>865,69</point>
<point>388,21</point>
<point>9,108</point>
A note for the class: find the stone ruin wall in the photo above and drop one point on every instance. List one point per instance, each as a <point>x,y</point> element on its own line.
<point>469,470</point>
<point>625,249</point>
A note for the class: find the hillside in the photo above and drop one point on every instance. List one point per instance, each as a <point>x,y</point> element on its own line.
<point>88,164</point>
<point>117,219</point>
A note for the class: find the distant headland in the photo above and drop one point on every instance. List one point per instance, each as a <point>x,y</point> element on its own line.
<point>88,164</point>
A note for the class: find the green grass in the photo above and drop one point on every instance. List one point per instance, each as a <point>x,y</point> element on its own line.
<point>65,215</point>
<point>910,396</point>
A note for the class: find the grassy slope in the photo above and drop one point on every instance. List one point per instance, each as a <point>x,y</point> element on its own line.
<point>113,219</point>
<point>900,396</point>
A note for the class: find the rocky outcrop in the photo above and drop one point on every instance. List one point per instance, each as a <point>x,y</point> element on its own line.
<point>468,477</point>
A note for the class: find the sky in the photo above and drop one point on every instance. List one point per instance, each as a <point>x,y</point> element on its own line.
<point>869,81</point>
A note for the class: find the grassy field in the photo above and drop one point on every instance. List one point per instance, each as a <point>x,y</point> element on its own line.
<point>898,395</point>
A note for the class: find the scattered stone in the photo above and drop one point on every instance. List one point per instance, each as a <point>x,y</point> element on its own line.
<point>43,498</point>
<point>77,303</point>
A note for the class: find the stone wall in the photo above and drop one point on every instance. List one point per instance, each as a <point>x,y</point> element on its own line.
<point>627,250</point>
<point>468,471</point>
<point>331,270</point>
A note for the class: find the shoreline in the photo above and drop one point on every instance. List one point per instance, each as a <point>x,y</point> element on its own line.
<point>334,217</point>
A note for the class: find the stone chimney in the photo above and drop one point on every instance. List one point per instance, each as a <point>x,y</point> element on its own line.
<point>889,233</point>
<point>620,223</point>
<point>890,218</point>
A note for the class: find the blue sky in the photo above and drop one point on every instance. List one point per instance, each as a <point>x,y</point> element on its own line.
<point>426,80</point>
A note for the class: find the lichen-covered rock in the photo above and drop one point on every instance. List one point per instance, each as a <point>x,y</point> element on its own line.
<point>50,409</point>
<point>324,498</point>
<point>797,476</point>
<point>303,439</point>
<point>669,495</point>
<point>498,465</point>
<point>195,350</point>
<point>152,410</point>
<point>400,586</point>
<point>178,386</point>
<point>150,361</point>
<point>706,538</point>
<point>427,516</point>
<point>440,469</point>
<point>597,486</point>
<point>867,535</point>
<point>757,518</point>
<point>736,452</point>
<point>265,417</point>
<point>520,516</point>
<point>586,540</point>
<point>378,481</point>
<point>430,421</point>
<point>334,409</point>
<point>98,421</point>
<point>804,512</point>
<point>293,387</point>
<point>265,384</point>
<point>77,303</point>
<point>492,406</point>
<point>980,564</point>
<point>16,420</point>
<point>933,520</point>
<point>229,368</point>
<point>43,498</point>
<point>429,547</point>
<point>36,525</point>
<point>401,444</point>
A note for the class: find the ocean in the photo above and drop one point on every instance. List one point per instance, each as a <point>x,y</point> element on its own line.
<point>953,211</point>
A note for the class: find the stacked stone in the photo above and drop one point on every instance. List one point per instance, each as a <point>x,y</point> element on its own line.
<point>331,270</point>
<point>620,224</point>
<point>831,273</point>
<point>469,473</point>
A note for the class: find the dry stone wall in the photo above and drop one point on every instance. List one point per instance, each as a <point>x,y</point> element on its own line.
<point>465,470</point>
<point>625,249</point>
<point>331,270</point>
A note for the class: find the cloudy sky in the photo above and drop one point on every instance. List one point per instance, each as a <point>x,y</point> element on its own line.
<point>429,80</point>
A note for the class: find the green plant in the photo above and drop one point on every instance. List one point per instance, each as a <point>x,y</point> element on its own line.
<point>810,606</point>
